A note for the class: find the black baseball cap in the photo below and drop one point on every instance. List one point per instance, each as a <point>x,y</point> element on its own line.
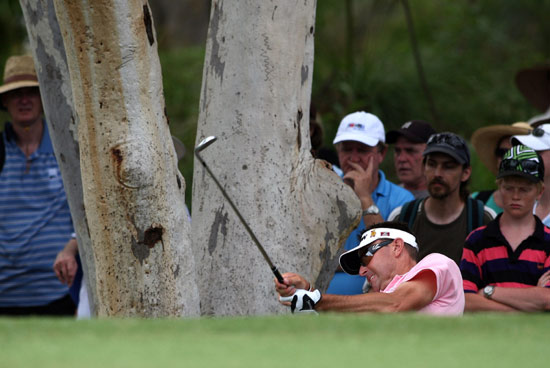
<point>450,144</point>
<point>417,131</point>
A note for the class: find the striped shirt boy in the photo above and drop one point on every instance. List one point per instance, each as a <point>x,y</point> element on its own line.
<point>488,259</point>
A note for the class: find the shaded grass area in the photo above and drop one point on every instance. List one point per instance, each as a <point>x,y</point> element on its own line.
<point>329,340</point>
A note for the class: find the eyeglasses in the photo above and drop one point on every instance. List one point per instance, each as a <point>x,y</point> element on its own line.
<point>527,166</point>
<point>447,139</point>
<point>369,253</point>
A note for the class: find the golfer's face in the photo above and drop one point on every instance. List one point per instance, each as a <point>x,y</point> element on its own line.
<point>374,263</point>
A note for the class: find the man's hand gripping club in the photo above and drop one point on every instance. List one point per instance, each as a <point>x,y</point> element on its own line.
<point>296,292</point>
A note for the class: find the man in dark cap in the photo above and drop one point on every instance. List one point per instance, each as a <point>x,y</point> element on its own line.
<point>444,218</point>
<point>409,142</point>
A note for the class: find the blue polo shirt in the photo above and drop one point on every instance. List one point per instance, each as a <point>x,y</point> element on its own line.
<point>387,196</point>
<point>35,224</point>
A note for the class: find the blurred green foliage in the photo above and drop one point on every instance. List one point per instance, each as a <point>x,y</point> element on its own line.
<point>470,52</point>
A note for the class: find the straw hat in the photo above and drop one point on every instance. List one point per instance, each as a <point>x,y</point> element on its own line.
<point>534,84</point>
<point>485,141</point>
<point>18,73</point>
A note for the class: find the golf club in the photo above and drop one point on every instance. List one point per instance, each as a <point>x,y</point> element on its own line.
<point>200,147</point>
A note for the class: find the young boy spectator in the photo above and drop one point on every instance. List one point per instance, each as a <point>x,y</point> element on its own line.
<point>506,264</point>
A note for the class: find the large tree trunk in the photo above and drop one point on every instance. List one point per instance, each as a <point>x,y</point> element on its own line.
<point>255,99</point>
<point>55,86</point>
<point>133,191</point>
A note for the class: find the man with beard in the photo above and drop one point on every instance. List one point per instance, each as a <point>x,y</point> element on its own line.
<point>444,219</point>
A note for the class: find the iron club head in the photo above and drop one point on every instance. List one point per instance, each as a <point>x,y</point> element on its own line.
<point>205,143</point>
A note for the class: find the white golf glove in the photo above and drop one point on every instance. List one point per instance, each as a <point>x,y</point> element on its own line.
<point>302,300</point>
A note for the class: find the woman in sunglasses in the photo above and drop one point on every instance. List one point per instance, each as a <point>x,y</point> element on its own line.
<point>506,264</point>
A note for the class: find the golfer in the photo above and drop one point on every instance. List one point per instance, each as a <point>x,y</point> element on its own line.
<point>386,255</point>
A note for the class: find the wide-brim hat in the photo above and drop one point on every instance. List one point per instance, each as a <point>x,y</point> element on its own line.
<point>485,141</point>
<point>19,72</point>
<point>534,84</point>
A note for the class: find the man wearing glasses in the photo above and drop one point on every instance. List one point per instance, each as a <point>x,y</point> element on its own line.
<point>386,256</point>
<point>444,219</point>
<point>506,264</point>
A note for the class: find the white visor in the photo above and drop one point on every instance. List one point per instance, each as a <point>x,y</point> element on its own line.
<point>350,261</point>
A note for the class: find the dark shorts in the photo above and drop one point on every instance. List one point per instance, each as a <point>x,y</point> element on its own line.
<point>60,307</point>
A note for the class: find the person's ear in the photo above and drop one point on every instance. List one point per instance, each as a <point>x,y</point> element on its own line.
<point>466,174</point>
<point>398,246</point>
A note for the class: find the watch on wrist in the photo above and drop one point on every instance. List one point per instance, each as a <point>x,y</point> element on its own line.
<point>488,291</point>
<point>371,210</point>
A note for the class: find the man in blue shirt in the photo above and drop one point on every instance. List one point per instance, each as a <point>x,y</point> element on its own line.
<point>361,148</point>
<point>35,221</point>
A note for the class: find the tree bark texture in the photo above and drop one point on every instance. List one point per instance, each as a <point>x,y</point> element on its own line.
<point>55,86</point>
<point>255,98</point>
<point>133,191</point>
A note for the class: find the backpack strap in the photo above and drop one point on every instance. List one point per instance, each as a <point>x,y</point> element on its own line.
<point>409,211</point>
<point>476,211</point>
<point>2,151</point>
<point>484,195</point>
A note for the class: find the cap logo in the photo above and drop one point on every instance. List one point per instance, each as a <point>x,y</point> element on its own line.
<point>406,125</point>
<point>372,233</point>
<point>356,126</point>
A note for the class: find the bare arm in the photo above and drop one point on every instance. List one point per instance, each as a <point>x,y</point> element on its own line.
<point>411,295</point>
<point>363,183</point>
<point>65,265</point>
<point>530,299</point>
<point>478,303</point>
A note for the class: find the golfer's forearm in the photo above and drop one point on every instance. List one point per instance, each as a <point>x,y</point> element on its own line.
<point>525,299</point>
<point>478,303</point>
<point>375,302</point>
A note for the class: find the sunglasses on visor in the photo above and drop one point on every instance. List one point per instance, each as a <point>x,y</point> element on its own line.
<point>520,165</point>
<point>369,253</point>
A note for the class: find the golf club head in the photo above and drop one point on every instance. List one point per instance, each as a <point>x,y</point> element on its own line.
<point>205,143</point>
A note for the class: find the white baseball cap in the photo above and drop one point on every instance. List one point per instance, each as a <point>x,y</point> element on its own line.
<point>538,139</point>
<point>362,127</point>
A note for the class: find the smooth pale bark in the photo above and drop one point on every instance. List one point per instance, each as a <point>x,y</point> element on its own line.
<point>255,99</point>
<point>55,86</point>
<point>133,191</point>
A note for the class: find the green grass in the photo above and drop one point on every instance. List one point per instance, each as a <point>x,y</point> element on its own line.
<point>330,340</point>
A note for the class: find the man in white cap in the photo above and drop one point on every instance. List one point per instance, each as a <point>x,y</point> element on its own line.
<point>386,255</point>
<point>539,140</point>
<point>35,221</point>
<point>361,148</point>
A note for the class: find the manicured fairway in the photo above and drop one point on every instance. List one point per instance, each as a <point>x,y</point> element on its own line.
<point>330,340</point>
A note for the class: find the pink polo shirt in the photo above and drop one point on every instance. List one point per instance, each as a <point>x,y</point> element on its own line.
<point>449,297</point>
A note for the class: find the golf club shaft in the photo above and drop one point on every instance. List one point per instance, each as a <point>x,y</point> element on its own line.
<point>248,229</point>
